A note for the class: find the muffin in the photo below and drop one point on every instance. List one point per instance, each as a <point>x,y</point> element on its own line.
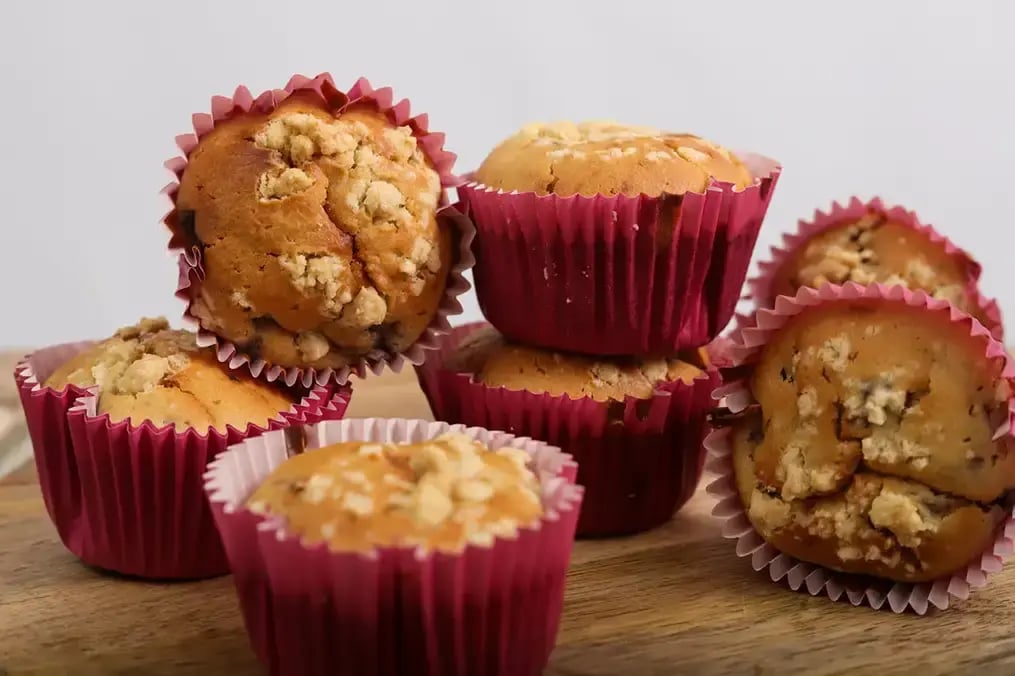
<point>401,537</point>
<point>496,362</point>
<point>151,372</point>
<point>870,242</point>
<point>623,240</point>
<point>871,447</point>
<point>123,430</point>
<point>437,495</point>
<point>875,248</point>
<point>318,230</point>
<point>608,158</point>
<point>634,426</point>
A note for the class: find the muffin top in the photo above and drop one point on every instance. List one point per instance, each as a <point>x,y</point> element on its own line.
<point>496,362</point>
<point>438,495</point>
<point>874,248</point>
<point>607,158</point>
<point>873,433</point>
<point>151,372</point>
<point>319,233</point>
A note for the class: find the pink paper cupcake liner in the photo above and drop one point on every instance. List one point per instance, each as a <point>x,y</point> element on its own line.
<point>817,580</point>
<point>616,275</point>
<point>309,610</point>
<point>758,287</point>
<point>191,271</point>
<point>129,497</point>
<point>639,460</point>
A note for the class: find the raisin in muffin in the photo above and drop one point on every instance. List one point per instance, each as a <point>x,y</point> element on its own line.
<point>870,449</point>
<point>875,248</point>
<point>607,158</point>
<point>498,363</point>
<point>318,230</point>
<point>151,372</point>
<point>438,495</point>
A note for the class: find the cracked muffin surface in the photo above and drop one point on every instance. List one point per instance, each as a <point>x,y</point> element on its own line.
<point>151,372</point>
<point>870,447</point>
<point>875,248</point>
<point>319,235</point>
<point>608,158</point>
<point>440,494</point>
<point>496,362</point>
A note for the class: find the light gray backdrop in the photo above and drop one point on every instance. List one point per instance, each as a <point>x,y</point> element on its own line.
<point>911,100</point>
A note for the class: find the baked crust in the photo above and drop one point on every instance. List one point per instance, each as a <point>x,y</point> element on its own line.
<point>319,233</point>
<point>607,158</point>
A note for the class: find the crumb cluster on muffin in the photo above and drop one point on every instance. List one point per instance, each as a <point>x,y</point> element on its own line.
<point>441,494</point>
<point>152,372</point>
<point>871,448</point>
<point>319,233</point>
<point>497,362</point>
<point>608,158</point>
<point>876,248</point>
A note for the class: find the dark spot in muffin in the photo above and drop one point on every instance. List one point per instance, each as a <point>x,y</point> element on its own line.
<point>252,348</point>
<point>976,463</point>
<point>972,409</point>
<point>615,411</point>
<point>383,335</point>
<point>786,375</point>
<point>186,223</point>
<point>824,374</point>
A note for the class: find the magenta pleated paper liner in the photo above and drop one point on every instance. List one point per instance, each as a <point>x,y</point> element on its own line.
<point>639,460</point>
<point>308,610</point>
<point>616,275</point>
<point>129,497</point>
<point>759,287</point>
<point>817,580</point>
<point>191,271</point>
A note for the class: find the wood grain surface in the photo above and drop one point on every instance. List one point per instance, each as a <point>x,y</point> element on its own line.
<point>673,601</point>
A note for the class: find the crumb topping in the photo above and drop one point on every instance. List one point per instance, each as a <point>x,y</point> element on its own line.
<point>871,250</point>
<point>441,494</point>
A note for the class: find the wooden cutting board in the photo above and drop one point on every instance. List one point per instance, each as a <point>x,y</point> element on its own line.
<point>675,600</point>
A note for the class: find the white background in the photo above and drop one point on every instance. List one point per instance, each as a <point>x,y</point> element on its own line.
<point>911,100</point>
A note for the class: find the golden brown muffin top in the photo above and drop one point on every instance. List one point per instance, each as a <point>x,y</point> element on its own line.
<point>871,249</point>
<point>319,233</point>
<point>875,412</point>
<point>496,362</point>
<point>608,158</point>
<point>151,372</point>
<point>439,495</point>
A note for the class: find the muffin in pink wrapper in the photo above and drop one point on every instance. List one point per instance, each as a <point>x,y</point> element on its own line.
<point>635,427</point>
<point>123,430</point>
<point>865,450</point>
<point>330,582</point>
<point>607,239</point>
<point>317,238</point>
<point>867,242</point>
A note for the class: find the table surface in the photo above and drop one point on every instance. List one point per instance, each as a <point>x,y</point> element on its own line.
<point>674,600</point>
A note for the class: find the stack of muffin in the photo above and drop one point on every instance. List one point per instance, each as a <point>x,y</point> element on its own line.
<point>608,257</point>
<point>866,450</point>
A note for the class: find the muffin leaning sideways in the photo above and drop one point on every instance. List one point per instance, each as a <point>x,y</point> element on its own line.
<point>871,446</point>
<point>318,227</point>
